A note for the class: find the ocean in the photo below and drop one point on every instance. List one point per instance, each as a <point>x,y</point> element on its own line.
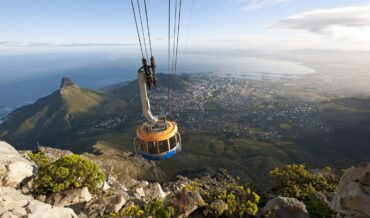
<point>27,77</point>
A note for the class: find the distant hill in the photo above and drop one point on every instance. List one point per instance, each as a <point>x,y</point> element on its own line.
<point>54,119</point>
<point>76,118</point>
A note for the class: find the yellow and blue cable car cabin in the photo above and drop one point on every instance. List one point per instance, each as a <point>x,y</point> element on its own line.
<point>159,144</point>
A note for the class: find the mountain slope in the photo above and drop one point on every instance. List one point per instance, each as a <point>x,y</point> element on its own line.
<point>56,117</point>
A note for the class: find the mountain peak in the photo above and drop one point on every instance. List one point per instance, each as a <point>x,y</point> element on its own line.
<point>67,84</point>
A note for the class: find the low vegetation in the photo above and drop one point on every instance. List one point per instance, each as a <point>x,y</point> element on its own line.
<point>297,182</point>
<point>155,209</point>
<point>68,172</point>
<point>39,158</point>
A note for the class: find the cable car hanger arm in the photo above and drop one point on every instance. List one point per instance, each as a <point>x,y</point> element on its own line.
<point>146,77</point>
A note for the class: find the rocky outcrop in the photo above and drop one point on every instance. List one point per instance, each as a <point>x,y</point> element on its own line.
<point>15,204</point>
<point>13,168</point>
<point>353,194</point>
<point>281,207</point>
<point>69,198</point>
<point>116,203</point>
<point>38,209</point>
<point>66,85</point>
<point>53,153</point>
<point>185,202</point>
<point>154,192</point>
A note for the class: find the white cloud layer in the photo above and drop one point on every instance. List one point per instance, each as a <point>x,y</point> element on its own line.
<point>257,4</point>
<point>348,23</point>
<point>252,5</point>
<point>47,44</point>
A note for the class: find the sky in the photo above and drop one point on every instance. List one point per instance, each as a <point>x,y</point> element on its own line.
<point>249,24</point>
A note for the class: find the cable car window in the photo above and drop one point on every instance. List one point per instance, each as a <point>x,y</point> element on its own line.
<point>173,142</point>
<point>152,146</point>
<point>137,144</point>
<point>163,146</point>
<point>142,145</point>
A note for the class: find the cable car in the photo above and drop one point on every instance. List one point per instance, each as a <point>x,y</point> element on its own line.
<point>157,138</point>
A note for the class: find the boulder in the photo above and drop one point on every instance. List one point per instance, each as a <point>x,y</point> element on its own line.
<point>15,204</point>
<point>353,193</point>
<point>185,202</point>
<point>96,207</point>
<point>111,180</point>
<point>281,207</point>
<point>154,192</point>
<point>140,192</point>
<point>105,186</point>
<point>13,168</point>
<point>37,209</point>
<point>12,199</point>
<point>116,203</point>
<point>69,197</point>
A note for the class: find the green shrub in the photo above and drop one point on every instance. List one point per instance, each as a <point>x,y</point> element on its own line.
<point>241,201</point>
<point>68,172</point>
<point>297,182</point>
<point>192,186</point>
<point>39,158</point>
<point>133,211</point>
<point>156,209</point>
<point>318,208</point>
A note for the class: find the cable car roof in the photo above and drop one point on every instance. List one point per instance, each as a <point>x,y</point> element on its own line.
<point>169,132</point>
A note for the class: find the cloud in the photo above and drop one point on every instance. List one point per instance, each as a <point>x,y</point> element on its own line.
<point>349,23</point>
<point>252,5</point>
<point>47,44</point>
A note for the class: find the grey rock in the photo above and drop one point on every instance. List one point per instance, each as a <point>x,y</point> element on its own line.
<point>96,207</point>
<point>11,199</point>
<point>116,203</point>
<point>140,191</point>
<point>154,192</point>
<point>111,180</point>
<point>37,209</point>
<point>352,197</point>
<point>8,214</point>
<point>70,197</point>
<point>15,204</point>
<point>13,168</point>
<point>281,207</point>
<point>185,202</point>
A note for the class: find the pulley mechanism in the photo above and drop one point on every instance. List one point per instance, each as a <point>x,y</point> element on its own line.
<point>149,71</point>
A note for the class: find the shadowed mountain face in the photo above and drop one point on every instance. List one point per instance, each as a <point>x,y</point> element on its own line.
<point>56,118</point>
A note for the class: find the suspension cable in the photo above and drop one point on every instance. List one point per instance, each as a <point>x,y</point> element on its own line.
<point>137,29</point>
<point>177,49</point>
<point>174,38</point>
<point>169,51</point>
<point>188,33</point>
<point>142,28</point>
<point>177,43</point>
<point>147,26</point>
